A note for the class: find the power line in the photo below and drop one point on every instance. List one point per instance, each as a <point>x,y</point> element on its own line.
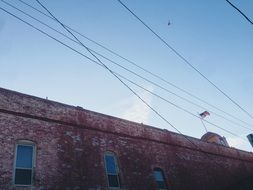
<point>107,68</point>
<point>247,18</point>
<point>168,91</point>
<point>145,70</point>
<point>185,60</point>
<point>132,72</point>
<point>127,69</point>
<point>115,74</point>
<point>179,107</point>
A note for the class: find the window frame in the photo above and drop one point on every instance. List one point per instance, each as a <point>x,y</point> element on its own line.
<point>24,143</point>
<point>163,176</point>
<point>117,170</point>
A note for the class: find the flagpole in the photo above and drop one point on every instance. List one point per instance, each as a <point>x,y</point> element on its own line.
<point>203,124</point>
<point>201,119</point>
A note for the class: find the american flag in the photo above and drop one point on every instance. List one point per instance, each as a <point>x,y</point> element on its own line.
<point>204,114</point>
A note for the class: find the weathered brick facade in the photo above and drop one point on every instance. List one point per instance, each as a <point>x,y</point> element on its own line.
<point>71,142</point>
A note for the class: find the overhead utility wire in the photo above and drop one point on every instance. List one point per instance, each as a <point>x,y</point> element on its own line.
<point>168,91</point>
<point>145,70</point>
<point>185,60</point>
<point>136,74</point>
<point>147,80</point>
<point>175,104</point>
<point>64,44</point>
<point>247,18</point>
<point>179,107</point>
<point>78,52</point>
<point>128,87</point>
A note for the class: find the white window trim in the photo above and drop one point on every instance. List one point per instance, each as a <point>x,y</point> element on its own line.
<point>24,143</point>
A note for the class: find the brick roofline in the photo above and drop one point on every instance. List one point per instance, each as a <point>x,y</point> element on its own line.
<point>150,133</point>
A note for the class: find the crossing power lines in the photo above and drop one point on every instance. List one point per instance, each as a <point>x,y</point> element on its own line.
<point>185,60</point>
<point>143,69</point>
<point>99,62</point>
<point>118,76</point>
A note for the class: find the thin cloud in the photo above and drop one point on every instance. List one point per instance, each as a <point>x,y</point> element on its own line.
<point>136,110</point>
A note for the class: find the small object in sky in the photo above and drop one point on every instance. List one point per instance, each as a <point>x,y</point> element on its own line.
<point>204,114</point>
<point>169,23</point>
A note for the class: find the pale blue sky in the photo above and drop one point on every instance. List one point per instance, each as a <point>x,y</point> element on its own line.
<point>210,34</point>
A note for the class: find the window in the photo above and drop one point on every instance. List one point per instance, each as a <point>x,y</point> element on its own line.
<point>24,163</point>
<point>160,179</point>
<point>222,142</point>
<point>112,171</point>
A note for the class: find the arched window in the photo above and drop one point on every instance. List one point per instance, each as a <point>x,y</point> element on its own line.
<point>24,163</point>
<point>160,179</point>
<point>112,170</point>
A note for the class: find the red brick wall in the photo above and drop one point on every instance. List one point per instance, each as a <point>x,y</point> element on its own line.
<point>71,142</point>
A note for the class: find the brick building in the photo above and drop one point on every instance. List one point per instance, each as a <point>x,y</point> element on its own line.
<point>49,145</point>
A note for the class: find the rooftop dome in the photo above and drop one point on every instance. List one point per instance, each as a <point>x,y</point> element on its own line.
<point>214,138</point>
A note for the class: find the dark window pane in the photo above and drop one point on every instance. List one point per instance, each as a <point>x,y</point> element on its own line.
<point>24,156</point>
<point>158,176</point>
<point>113,181</point>
<point>110,164</point>
<point>23,177</point>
